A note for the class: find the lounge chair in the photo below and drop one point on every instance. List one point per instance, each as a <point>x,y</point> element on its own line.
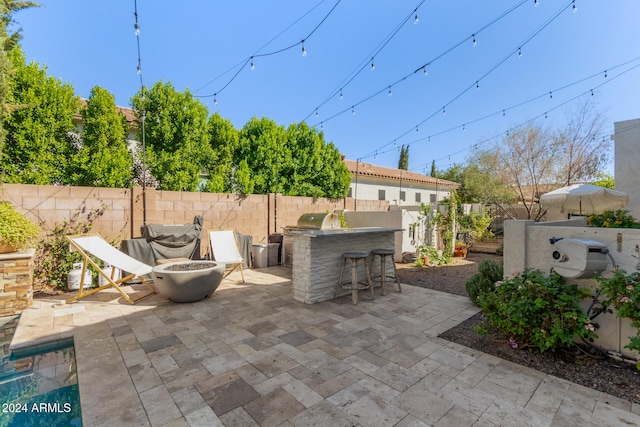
<point>223,248</point>
<point>94,244</point>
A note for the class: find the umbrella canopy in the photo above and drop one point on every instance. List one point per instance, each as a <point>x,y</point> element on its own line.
<point>584,199</point>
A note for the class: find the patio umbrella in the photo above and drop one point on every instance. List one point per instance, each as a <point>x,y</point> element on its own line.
<point>584,199</point>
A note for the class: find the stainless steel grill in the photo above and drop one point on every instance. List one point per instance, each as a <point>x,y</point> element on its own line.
<point>307,221</point>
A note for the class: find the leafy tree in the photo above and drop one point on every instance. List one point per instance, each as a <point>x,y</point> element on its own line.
<point>38,146</point>
<point>103,159</point>
<point>604,179</point>
<point>224,140</point>
<point>177,140</point>
<point>403,162</point>
<point>8,41</point>
<point>434,171</point>
<point>295,161</point>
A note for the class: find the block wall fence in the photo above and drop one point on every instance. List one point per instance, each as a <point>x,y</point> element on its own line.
<point>256,215</point>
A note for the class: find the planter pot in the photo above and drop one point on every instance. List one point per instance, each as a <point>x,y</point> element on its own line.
<point>187,281</point>
<point>5,248</point>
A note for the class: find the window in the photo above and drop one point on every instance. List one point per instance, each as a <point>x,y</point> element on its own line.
<point>432,198</point>
<point>418,197</point>
<point>403,195</point>
<point>382,195</point>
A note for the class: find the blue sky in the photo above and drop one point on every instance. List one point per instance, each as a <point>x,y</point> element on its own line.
<point>201,45</point>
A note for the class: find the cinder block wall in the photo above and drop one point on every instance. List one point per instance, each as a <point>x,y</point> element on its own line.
<point>256,215</point>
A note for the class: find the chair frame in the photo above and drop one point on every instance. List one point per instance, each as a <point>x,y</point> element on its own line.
<point>234,264</point>
<point>86,260</point>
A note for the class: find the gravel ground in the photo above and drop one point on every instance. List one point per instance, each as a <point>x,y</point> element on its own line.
<point>617,378</point>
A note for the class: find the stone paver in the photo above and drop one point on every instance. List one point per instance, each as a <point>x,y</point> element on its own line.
<point>253,356</point>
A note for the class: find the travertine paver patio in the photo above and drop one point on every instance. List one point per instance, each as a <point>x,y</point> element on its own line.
<point>251,355</point>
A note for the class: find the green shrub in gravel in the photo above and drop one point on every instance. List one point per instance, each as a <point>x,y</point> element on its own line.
<point>484,280</point>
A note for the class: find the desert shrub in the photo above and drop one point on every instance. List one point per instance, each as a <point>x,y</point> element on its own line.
<point>534,310</point>
<point>488,274</point>
<point>53,260</point>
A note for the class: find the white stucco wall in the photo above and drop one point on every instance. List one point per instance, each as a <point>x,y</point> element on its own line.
<point>367,189</point>
<point>526,245</point>
<point>627,158</point>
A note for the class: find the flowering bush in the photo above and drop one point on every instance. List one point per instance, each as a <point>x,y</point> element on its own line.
<point>622,291</point>
<point>534,310</point>
<point>613,219</point>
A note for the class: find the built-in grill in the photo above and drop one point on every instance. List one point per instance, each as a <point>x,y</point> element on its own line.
<point>307,221</point>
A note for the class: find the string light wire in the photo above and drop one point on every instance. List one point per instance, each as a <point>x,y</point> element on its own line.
<point>473,85</point>
<point>275,52</point>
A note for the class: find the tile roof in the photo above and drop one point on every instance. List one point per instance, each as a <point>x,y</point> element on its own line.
<point>367,169</point>
<point>129,114</point>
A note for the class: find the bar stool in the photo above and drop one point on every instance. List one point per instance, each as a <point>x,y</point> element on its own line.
<point>383,254</point>
<point>354,257</point>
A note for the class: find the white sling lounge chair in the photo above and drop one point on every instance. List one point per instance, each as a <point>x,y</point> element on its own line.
<point>94,244</point>
<point>224,249</point>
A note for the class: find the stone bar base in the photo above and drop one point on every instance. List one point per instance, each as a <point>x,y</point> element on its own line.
<point>317,258</point>
<point>16,283</point>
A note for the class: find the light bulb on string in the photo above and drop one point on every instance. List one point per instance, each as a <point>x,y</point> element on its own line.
<point>215,99</point>
<point>373,66</point>
<point>316,112</point>
<point>535,3</point>
<point>474,41</point>
<point>341,96</point>
<point>575,8</point>
<point>417,129</point>
<point>138,70</point>
<point>464,127</point>
<point>545,115</point>
<point>136,26</point>
<point>591,92</point>
<point>390,91</point>
<point>304,51</point>
<point>519,52</point>
<point>444,111</point>
<point>477,85</point>
<point>415,18</point>
<point>504,113</point>
<point>424,70</point>
<point>550,95</point>
<point>253,66</point>
<point>353,111</point>
<point>605,74</point>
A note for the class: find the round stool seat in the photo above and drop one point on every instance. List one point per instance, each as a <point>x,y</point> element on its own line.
<point>355,255</point>
<point>383,252</point>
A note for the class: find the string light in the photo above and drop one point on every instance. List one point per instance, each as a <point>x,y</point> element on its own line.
<point>139,70</point>
<point>415,18</point>
<point>605,74</point>
<point>474,42</point>
<point>444,111</point>
<point>215,99</point>
<point>535,3</point>
<point>464,127</point>
<point>136,26</point>
<point>390,91</point>
<point>519,52</point>
<point>575,8</point>
<point>253,66</point>
<point>504,113</point>
<point>550,95</point>
<point>341,95</point>
<point>477,85</point>
<point>304,51</point>
<point>316,112</point>
<point>424,70</point>
<point>373,66</point>
<point>353,111</point>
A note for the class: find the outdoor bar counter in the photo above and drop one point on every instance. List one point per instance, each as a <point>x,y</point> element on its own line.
<point>317,258</point>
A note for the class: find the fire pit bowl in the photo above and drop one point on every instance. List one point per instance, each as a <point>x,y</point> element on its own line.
<point>187,281</point>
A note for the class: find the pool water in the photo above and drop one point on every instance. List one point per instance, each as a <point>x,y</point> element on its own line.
<point>37,388</point>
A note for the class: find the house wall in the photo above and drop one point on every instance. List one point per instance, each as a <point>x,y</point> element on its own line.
<point>367,188</point>
<point>526,245</point>
<point>627,157</point>
<point>256,215</point>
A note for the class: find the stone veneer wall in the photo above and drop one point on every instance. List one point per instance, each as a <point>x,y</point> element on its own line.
<point>16,283</point>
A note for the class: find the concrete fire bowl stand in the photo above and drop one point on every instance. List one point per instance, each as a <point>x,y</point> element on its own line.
<point>187,281</point>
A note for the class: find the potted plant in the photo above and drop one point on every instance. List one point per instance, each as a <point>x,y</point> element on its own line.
<point>16,231</point>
